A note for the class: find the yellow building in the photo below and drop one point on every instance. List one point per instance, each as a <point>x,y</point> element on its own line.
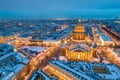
<point>77,49</point>
<point>1,39</point>
<point>79,32</point>
<point>78,54</point>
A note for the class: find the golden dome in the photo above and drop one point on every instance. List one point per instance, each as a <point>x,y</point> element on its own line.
<point>79,31</point>
<point>79,28</point>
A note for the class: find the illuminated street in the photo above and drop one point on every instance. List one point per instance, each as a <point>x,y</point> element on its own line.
<point>59,40</point>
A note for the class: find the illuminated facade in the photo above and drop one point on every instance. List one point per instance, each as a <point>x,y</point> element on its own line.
<point>78,53</point>
<point>77,56</point>
<point>1,39</point>
<point>79,32</point>
<point>77,50</point>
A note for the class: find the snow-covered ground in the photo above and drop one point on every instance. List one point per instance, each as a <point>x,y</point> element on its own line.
<point>35,48</point>
<point>32,51</point>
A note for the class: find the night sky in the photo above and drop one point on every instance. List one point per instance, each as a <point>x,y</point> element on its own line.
<point>60,8</point>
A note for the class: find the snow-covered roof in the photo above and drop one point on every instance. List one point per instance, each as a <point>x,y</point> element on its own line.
<point>89,71</point>
<point>7,75</point>
<point>4,48</point>
<point>18,67</point>
<point>11,67</point>
<point>65,67</point>
<point>81,47</point>
<point>35,48</point>
<point>5,56</point>
<point>20,58</point>
<point>105,38</point>
<point>42,75</point>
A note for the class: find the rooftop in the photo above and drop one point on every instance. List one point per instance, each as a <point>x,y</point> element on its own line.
<point>5,48</point>
<point>106,38</point>
<point>40,75</point>
<point>79,47</point>
<point>32,51</point>
<point>11,63</point>
<point>89,71</point>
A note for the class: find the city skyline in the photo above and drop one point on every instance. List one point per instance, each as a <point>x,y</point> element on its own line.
<point>60,40</point>
<point>62,8</point>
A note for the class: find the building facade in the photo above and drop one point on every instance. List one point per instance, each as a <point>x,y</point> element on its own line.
<point>84,70</point>
<point>77,50</point>
<point>79,53</point>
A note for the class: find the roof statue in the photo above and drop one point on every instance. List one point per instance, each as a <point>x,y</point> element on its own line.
<point>79,20</point>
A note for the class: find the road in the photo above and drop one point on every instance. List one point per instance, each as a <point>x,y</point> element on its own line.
<point>39,61</point>
<point>109,55</point>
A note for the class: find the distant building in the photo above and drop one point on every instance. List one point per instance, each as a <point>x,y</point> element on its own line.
<point>10,62</point>
<point>84,70</point>
<point>51,39</point>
